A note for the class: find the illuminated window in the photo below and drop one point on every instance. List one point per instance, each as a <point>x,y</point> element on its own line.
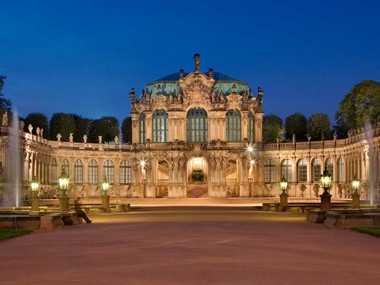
<point>78,171</point>
<point>330,167</point>
<point>142,128</point>
<point>160,126</point>
<point>125,172</point>
<point>302,170</point>
<point>109,171</point>
<point>269,171</point>
<point>233,125</point>
<point>93,172</point>
<point>286,170</point>
<point>251,127</point>
<point>65,166</point>
<point>316,169</point>
<point>54,173</point>
<point>196,126</point>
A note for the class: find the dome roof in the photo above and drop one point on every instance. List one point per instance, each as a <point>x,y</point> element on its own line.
<point>223,83</point>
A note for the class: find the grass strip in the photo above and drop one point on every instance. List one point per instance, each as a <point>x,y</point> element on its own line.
<point>375,231</point>
<point>7,234</point>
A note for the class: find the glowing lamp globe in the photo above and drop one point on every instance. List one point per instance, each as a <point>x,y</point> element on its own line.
<point>283,184</point>
<point>326,179</point>
<point>63,180</point>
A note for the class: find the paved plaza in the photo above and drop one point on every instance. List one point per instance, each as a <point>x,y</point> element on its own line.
<point>192,246</point>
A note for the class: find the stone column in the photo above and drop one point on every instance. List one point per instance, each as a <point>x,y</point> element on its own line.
<point>149,126</point>
<point>258,127</point>
<point>135,127</point>
<point>244,125</point>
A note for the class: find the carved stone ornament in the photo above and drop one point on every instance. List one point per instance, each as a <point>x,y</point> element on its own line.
<point>100,139</point>
<point>4,121</point>
<point>71,138</point>
<point>159,101</point>
<point>38,131</point>
<point>234,101</point>
<point>30,128</point>
<point>85,139</point>
<point>116,139</point>
<point>59,136</point>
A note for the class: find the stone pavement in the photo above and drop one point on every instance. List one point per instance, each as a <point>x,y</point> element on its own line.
<point>192,246</point>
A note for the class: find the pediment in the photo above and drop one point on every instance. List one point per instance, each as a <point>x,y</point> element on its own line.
<point>234,101</point>
<point>196,87</point>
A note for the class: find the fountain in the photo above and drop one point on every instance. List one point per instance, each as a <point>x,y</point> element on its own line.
<point>13,183</point>
<point>371,169</point>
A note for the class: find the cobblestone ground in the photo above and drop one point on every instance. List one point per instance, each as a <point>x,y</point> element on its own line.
<point>192,246</point>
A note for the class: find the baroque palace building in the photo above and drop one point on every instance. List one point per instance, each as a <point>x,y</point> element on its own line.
<point>197,134</point>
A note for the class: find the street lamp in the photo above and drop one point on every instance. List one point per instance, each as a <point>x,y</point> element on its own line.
<point>63,185</point>
<point>355,195</point>
<point>105,196</point>
<point>326,196</point>
<point>35,200</point>
<point>283,195</point>
<point>250,148</point>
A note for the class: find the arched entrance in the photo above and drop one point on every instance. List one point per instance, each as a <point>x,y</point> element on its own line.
<point>197,178</point>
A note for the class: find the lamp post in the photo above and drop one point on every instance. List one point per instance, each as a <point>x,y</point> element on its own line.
<point>355,195</point>
<point>283,195</point>
<point>326,196</point>
<point>105,196</point>
<point>63,185</point>
<point>35,200</point>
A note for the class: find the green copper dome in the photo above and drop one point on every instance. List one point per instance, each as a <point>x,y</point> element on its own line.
<point>223,83</point>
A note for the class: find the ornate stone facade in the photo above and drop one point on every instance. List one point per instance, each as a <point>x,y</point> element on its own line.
<point>197,135</point>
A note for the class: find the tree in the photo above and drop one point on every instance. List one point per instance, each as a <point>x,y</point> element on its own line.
<point>296,124</point>
<point>272,128</point>
<point>37,120</point>
<point>82,126</point>
<point>126,130</point>
<point>5,104</point>
<point>362,104</point>
<point>61,123</point>
<point>107,127</point>
<point>318,126</point>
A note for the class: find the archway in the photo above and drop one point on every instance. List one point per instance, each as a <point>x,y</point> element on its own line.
<point>197,178</point>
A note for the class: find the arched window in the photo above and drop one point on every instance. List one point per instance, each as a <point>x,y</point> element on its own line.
<point>302,170</point>
<point>93,172</point>
<point>142,129</point>
<point>109,171</point>
<point>251,127</point>
<point>286,170</point>
<point>125,172</point>
<point>197,125</point>
<point>233,125</point>
<point>65,166</point>
<point>316,170</point>
<point>54,173</point>
<point>341,169</point>
<point>160,126</point>
<point>78,171</point>
<point>330,167</point>
<point>269,171</point>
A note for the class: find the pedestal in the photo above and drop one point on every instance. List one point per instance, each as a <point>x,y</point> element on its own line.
<point>325,201</point>
<point>64,205</point>
<point>355,200</point>
<point>35,204</point>
<point>106,201</point>
<point>283,201</point>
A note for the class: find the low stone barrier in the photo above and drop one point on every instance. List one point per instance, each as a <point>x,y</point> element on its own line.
<point>349,219</point>
<point>19,222</point>
<point>51,222</point>
<point>71,218</point>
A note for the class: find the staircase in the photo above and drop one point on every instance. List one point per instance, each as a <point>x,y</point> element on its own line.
<point>197,191</point>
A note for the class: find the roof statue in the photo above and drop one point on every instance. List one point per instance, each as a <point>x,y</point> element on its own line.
<point>197,61</point>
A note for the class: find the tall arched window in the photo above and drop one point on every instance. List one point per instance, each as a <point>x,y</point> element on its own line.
<point>196,126</point>
<point>286,170</point>
<point>302,170</point>
<point>93,172</point>
<point>125,172</point>
<point>78,171</point>
<point>53,169</point>
<point>340,169</point>
<point>269,171</point>
<point>330,167</point>
<point>251,127</point>
<point>316,170</point>
<point>65,166</point>
<point>160,126</point>
<point>109,171</point>
<point>233,125</point>
<point>142,129</point>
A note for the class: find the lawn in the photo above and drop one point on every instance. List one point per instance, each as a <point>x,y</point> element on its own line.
<point>367,230</point>
<point>6,234</point>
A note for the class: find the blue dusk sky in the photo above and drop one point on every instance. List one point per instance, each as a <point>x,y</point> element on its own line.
<point>84,56</point>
